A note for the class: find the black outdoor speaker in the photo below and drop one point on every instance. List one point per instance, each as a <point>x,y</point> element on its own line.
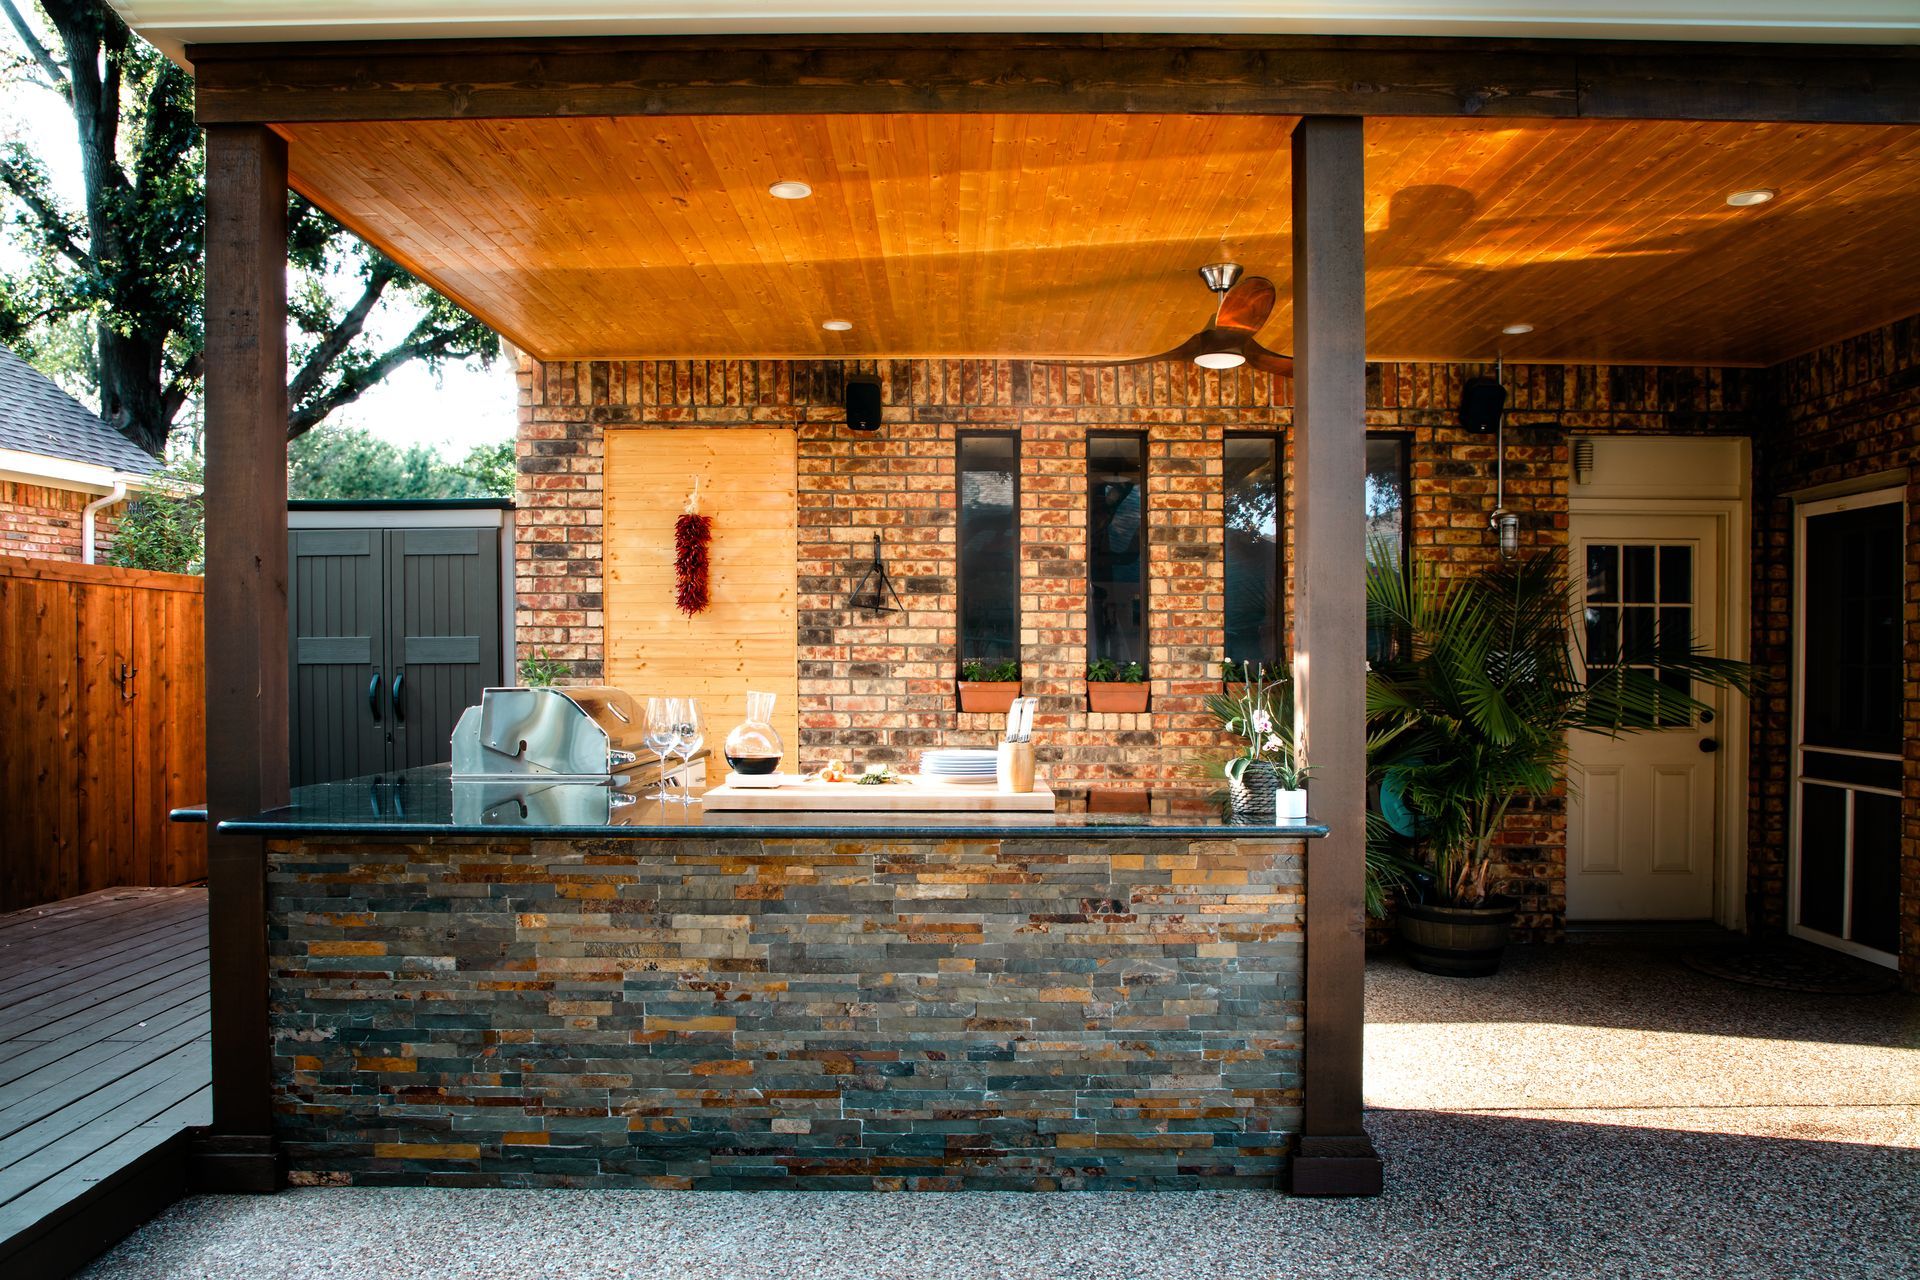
<point>1481,402</point>
<point>863,402</point>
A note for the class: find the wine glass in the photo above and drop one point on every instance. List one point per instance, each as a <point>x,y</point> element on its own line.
<point>663,717</point>
<point>689,735</point>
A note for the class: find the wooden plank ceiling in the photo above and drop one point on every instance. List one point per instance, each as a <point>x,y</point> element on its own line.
<point>1078,235</point>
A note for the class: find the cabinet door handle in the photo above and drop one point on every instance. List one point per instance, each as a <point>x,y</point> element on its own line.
<point>400,696</point>
<point>373,697</point>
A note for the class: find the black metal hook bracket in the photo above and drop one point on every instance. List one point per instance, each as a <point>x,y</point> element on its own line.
<point>876,587</point>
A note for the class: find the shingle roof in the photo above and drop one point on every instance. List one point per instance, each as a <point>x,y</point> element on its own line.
<point>38,417</point>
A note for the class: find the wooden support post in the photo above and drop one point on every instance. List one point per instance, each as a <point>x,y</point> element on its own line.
<point>1335,1156</point>
<point>246,611</point>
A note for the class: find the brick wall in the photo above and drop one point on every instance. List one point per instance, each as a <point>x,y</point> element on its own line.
<point>929,1014</point>
<point>882,685</point>
<point>44,522</point>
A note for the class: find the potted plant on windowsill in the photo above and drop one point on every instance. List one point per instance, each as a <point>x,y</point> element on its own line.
<point>1116,688</point>
<point>1267,775</point>
<point>1475,716</point>
<point>988,686</point>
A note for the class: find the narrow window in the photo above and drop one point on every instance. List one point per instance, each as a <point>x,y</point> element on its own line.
<point>1117,547</point>
<point>1389,510</point>
<point>1254,592</point>
<point>989,547</point>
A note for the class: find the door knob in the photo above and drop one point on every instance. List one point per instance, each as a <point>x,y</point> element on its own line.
<point>1709,745</point>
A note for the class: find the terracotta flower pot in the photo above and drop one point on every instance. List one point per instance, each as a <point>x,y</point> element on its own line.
<point>1460,942</point>
<point>988,695</point>
<point>1116,696</point>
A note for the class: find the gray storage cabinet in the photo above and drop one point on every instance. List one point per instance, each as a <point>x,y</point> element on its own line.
<point>398,624</point>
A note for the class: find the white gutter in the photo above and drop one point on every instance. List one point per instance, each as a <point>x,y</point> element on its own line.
<point>117,494</point>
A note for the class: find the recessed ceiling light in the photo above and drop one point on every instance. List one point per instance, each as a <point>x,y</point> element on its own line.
<point>836,326</point>
<point>789,190</point>
<point>1219,359</point>
<point>1517,329</point>
<point>1747,199</point>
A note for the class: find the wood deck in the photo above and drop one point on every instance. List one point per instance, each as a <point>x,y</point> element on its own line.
<point>104,1063</point>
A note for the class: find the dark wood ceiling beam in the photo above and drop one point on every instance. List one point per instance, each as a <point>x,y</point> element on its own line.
<point>830,74</point>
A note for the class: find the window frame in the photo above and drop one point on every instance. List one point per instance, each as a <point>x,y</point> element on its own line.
<point>1146,542</point>
<point>959,572</point>
<point>1282,513</point>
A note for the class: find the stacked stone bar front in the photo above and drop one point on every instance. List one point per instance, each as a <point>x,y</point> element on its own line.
<point>935,1013</point>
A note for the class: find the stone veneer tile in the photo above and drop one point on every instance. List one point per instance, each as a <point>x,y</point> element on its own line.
<point>757,1014</point>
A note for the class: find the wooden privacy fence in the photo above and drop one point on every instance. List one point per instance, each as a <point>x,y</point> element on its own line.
<point>102,729</point>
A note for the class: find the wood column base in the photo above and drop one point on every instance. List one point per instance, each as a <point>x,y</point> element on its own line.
<point>1335,1167</point>
<point>235,1164</point>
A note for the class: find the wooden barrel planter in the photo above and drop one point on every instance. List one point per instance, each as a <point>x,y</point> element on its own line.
<point>1459,942</point>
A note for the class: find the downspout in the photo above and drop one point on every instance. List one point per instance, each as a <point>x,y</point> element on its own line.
<point>117,494</point>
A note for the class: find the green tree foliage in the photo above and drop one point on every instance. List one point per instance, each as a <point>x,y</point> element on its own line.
<point>112,291</point>
<point>347,462</point>
<point>164,525</point>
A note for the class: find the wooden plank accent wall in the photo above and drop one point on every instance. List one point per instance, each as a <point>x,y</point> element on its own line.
<point>746,638</point>
<point>90,766</point>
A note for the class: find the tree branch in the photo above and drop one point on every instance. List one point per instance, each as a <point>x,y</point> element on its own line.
<point>56,77</point>
<point>424,343</point>
<point>341,336</point>
<point>182,386</point>
<point>53,224</point>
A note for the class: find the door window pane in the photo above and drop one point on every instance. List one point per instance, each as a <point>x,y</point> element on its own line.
<point>1603,574</point>
<point>1851,624</point>
<point>1117,548</point>
<point>1823,858</point>
<point>989,548</point>
<point>1253,589</point>
<point>1876,871</point>
<point>1636,574</point>
<point>1637,632</point>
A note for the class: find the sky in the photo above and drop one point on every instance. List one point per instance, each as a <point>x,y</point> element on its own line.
<point>451,412</point>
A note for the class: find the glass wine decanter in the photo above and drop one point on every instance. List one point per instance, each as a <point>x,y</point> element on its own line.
<point>754,747</point>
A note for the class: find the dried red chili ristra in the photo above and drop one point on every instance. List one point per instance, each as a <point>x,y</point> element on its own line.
<point>691,534</point>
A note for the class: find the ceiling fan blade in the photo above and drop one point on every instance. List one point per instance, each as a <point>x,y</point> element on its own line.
<point>1247,305</point>
<point>1185,351</point>
<point>1271,361</point>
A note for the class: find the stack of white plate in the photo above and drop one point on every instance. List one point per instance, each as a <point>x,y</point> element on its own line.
<point>959,764</point>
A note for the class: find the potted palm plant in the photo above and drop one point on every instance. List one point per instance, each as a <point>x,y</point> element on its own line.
<point>1266,776</point>
<point>987,686</point>
<point>1472,714</point>
<point>1112,687</point>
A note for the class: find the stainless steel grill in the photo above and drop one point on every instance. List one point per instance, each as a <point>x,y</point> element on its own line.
<point>581,731</point>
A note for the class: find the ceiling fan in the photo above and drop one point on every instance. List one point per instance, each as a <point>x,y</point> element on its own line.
<point>1228,342</point>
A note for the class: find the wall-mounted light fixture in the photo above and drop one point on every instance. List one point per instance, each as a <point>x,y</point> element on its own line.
<point>1483,403</point>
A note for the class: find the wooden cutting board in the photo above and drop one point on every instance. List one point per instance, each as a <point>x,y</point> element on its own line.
<point>912,795</point>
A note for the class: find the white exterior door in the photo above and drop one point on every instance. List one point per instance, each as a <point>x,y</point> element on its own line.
<point>1642,838</point>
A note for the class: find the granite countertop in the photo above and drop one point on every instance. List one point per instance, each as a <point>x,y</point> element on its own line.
<point>428,801</point>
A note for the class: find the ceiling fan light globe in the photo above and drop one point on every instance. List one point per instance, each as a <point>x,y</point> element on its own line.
<point>1219,359</point>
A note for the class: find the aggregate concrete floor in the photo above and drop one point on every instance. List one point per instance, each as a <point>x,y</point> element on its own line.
<point>1591,1112</point>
